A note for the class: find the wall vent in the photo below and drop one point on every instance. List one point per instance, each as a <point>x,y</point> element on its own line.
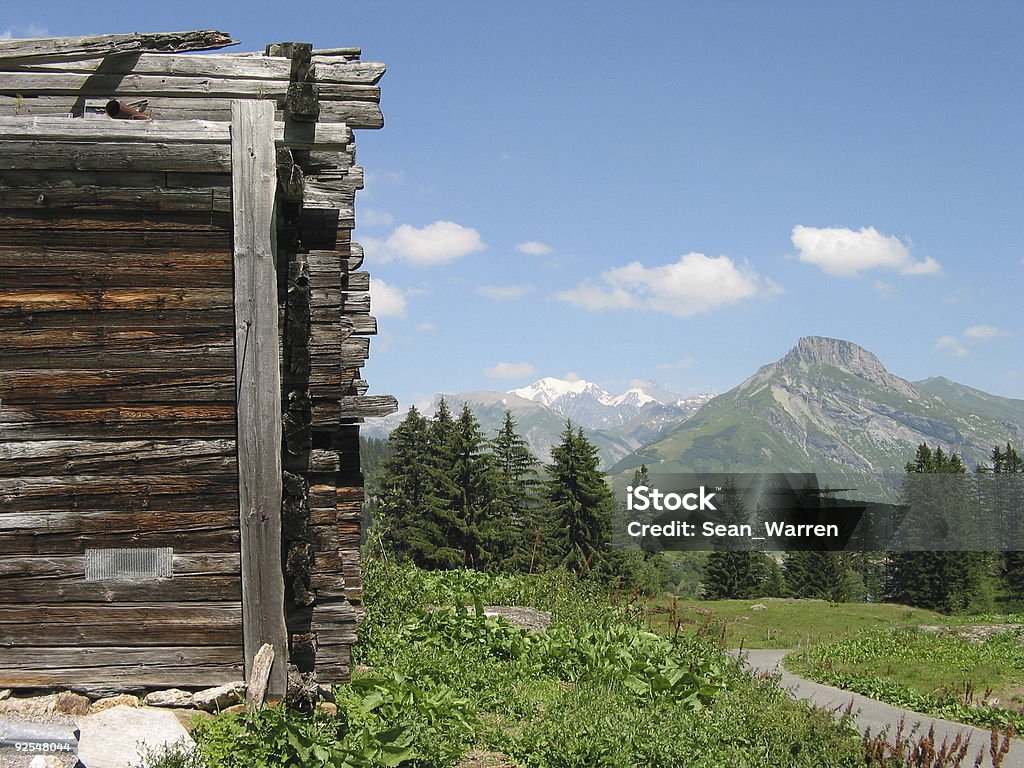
<point>129,564</point>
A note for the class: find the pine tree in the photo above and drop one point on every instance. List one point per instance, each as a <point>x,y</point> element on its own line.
<point>581,502</point>
<point>404,490</point>
<point>946,581</point>
<point>518,498</point>
<point>736,572</point>
<point>817,575</point>
<point>1003,492</point>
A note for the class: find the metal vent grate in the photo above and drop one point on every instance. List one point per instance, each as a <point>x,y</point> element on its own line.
<point>129,564</point>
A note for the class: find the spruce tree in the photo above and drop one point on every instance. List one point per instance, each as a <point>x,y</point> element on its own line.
<point>947,581</point>
<point>405,485</point>
<point>518,500</point>
<point>734,572</point>
<point>581,503</point>
<point>1002,483</point>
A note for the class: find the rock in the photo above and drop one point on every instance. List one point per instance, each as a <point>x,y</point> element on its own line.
<point>5,694</point>
<point>124,699</point>
<point>121,737</point>
<point>46,761</point>
<point>234,709</point>
<point>216,699</point>
<point>42,707</point>
<point>327,708</point>
<point>759,607</point>
<point>528,618</point>
<point>190,718</point>
<point>172,697</point>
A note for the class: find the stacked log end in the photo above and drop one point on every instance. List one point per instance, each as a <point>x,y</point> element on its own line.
<point>117,379</point>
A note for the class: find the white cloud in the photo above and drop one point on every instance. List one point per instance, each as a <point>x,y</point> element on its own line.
<point>685,362</point>
<point>535,248</point>
<point>386,300</point>
<point>426,326</point>
<point>984,332</point>
<point>510,371</point>
<point>693,285</point>
<point>371,217</point>
<point>950,345</point>
<point>844,252</point>
<point>436,243</point>
<point>504,292</point>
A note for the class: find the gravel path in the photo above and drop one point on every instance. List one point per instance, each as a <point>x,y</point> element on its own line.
<point>871,714</point>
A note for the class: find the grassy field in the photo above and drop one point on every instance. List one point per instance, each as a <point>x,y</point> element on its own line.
<point>783,623</point>
<point>977,680</point>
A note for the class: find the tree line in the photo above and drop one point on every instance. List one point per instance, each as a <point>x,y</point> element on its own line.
<point>949,581</point>
<point>450,497</point>
<point>444,495</point>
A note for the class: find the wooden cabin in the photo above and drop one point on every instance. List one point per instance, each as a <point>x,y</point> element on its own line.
<point>183,319</point>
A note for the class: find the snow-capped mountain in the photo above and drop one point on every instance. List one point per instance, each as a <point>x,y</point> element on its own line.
<point>616,424</point>
<point>647,405</point>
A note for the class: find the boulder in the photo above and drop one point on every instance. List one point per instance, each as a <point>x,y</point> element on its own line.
<point>45,707</point>
<point>216,699</point>
<point>122,736</point>
<point>125,699</point>
<point>172,697</point>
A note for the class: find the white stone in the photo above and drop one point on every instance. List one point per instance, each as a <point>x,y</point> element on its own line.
<point>214,699</point>
<point>122,736</point>
<point>172,697</point>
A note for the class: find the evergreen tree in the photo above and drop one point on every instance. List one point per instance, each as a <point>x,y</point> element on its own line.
<point>1002,485</point>
<point>818,575</point>
<point>948,581</point>
<point>404,490</point>
<point>518,499</point>
<point>735,572</point>
<point>581,503</point>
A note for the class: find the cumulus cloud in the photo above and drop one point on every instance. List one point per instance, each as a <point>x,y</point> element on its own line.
<point>385,299</point>
<point>984,332</point>
<point>950,345</point>
<point>436,243</point>
<point>535,248</point>
<point>693,285</point>
<point>510,371</point>
<point>504,292</point>
<point>844,252</point>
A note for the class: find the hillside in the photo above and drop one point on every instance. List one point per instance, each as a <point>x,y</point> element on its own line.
<point>831,407</point>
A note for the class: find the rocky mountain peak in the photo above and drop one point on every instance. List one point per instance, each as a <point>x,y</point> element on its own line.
<point>844,355</point>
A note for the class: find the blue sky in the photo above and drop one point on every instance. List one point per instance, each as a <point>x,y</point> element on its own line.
<point>662,190</point>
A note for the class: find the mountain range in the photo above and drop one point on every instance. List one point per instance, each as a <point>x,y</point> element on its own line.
<point>617,424</point>
<point>831,407</point>
<point>828,406</point>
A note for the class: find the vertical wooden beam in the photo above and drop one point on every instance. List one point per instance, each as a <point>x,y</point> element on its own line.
<point>258,382</point>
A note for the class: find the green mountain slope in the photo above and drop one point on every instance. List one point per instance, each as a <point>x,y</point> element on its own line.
<point>830,407</point>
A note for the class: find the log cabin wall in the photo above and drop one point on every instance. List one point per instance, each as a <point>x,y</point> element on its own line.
<point>118,386</point>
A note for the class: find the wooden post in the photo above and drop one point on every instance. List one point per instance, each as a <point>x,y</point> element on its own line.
<point>258,381</point>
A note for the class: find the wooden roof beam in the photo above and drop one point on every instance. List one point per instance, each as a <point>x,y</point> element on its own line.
<point>36,50</point>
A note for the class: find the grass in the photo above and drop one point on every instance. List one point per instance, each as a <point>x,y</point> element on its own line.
<point>783,623</point>
<point>439,685</point>
<point>944,675</point>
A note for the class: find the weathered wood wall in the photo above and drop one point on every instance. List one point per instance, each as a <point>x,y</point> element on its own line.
<point>117,360</point>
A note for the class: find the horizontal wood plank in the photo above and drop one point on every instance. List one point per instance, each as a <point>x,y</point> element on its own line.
<point>92,457</point>
<point>56,422</point>
<point>145,385</point>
